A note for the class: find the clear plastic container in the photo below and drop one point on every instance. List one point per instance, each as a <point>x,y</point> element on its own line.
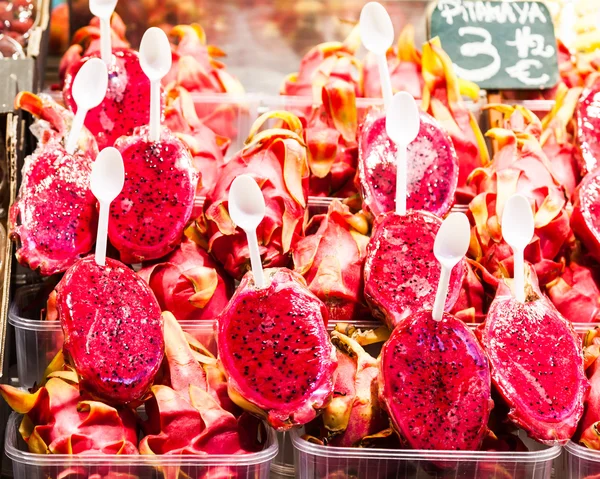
<point>314,461</point>
<point>45,466</point>
<point>581,462</point>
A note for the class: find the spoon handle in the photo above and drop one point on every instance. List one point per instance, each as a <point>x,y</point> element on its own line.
<point>255,261</point>
<point>442,293</point>
<point>155,111</point>
<point>105,41</point>
<point>401,165</point>
<point>519,272</point>
<point>76,128</point>
<point>102,234</point>
<point>386,82</point>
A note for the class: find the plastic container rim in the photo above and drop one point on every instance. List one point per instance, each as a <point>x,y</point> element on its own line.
<point>582,452</point>
<point>28,458</point>
<point>302,445</point>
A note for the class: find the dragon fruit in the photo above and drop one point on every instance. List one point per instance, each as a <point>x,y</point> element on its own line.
<point>559,146</point>
<point>54,218</point>
<point>126,105</point>
<point>471,304</point>
<point>184,417</point>
<point>519,166</point>
<point>575,294</point>
<point>584,219</point>
<point>61,419</point>
<point>442,99</point>
<point>117,357</point>
<point>588,432</point>
<point>354,413</point>
<point>207,148</point>
<point>324,62</point>
<point>404,64</point>
<point>188,283</point>
<point>432,174</point>
<point>149,215</point>
<point>277,159</point>
<point>526,344</point>
<point>86,41</point>
<point>434,380</point>
<point>588,121</point>
<point>275,350</point>
<point>331,259</point>
<point>401,272</point>
<point>331,140</point>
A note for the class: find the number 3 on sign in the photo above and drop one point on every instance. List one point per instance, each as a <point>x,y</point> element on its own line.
<point>473,49</point>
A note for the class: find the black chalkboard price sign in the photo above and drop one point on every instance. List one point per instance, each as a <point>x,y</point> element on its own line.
<point>499,45</point>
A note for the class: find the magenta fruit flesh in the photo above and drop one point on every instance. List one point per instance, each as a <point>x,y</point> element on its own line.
<point>275,350</point>
<point>434,380</point>
<point>113,329</point>
<point>401,272</point>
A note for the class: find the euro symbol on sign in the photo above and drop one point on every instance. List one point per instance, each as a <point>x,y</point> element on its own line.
<point>521,72</point>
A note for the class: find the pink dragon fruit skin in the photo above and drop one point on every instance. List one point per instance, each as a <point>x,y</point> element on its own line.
<point>536,362</point>
<point>588,433</point>
<point>432,167</point>
<point>189,284</point>
<point>434,380</point>
<point>585,219</point>
<point>588,121</point>
<point>127,102</point>
<point>401,273</point>
<point>113,329</point>
<point>54,218</point>
<point>148,217</point>
<point>275,350</point>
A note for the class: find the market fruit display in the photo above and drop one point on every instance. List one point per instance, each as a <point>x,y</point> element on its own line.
<point>288,355</point>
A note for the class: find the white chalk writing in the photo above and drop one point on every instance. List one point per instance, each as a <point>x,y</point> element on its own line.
<point>491,11</point>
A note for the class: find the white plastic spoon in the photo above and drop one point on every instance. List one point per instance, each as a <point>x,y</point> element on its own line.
<point>89,89</point>
<point>377,34</point>
<point>517,230</point>
<point>451,245</point>
<point>103,9</point>
<point>108,177</point>
<point>155,60</point>
<point>402,125</point>
<point>247,210</point>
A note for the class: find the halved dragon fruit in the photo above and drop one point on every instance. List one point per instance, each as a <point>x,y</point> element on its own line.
<point>113,329</point>
<point>277,159</point>
<point>331,259</point>
<point>54,218</point>
<point>275,350</point>
<point>432,167</point>
<point>189,284</point>
<point>588,121</point>
<point>536,362</point>
<point>434,380</point>
<point>207,148</point>
<point>404,64</point>
<point>148,217</point>
<point>443,100</point>
<point>126,105</point>
<point>61,419</point>
<point>401,272</point>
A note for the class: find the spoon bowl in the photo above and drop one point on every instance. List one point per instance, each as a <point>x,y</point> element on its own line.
<point>89,89</point>
<point>517,230</point>
<point>247,210</point>
<point>155,54</point>
<point>450,246</point>
<point>402,124</point>
<point>102,8</point>
<point>106,182</point>
<point>376,28</point>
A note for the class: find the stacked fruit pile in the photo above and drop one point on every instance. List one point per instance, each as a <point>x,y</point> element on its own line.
<point>357,261</point>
